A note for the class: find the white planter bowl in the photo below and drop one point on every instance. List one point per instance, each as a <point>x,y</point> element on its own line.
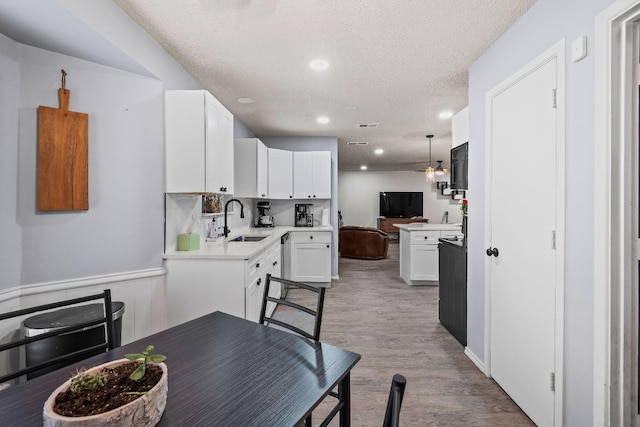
<point>142,412</point>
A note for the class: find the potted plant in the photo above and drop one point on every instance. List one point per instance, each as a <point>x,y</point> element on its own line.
<point>125,392</point>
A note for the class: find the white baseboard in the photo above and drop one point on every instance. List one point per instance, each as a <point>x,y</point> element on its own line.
<point>476,361</point>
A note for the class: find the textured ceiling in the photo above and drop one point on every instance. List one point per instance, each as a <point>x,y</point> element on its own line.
<point>396,63</point>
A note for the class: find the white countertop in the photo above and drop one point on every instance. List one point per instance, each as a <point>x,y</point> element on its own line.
<point>224,249</point>
<point>420,226</point>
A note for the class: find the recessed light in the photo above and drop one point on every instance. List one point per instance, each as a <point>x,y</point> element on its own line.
<point>378,151</point>
<point>319,64</point>
<point>445,115</point>
<point>244,100</point>
<point>363,167</point>
<point>323,120</point>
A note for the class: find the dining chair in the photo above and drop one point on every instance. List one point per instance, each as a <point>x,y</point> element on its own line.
<point>315,313</point>
<point>392,414</point>
<point>107,343</point>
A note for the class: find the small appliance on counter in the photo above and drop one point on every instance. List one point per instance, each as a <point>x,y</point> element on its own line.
<point>304,217</point>
<point>263,219</point>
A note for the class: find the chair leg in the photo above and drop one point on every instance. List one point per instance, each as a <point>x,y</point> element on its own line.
<point>307,422</point>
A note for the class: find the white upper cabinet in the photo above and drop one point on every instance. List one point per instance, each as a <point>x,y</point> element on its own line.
<point>280,180</point>
<point>219,137</point>
<point>460,127</point>
<point>198,143</point>
<point>312,175</point>
<point>251,168</point>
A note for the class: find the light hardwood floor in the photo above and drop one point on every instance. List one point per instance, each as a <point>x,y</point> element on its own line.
<point>395,328</point>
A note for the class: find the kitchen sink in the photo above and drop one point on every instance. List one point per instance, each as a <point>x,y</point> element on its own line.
<point>248,238</point>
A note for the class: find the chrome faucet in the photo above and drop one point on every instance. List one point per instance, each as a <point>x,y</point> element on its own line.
<point>226,206</point>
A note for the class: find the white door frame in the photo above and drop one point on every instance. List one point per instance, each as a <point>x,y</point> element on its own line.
<point>615,58</point>
<point>555,51</point>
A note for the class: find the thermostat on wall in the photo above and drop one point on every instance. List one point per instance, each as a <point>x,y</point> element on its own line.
<point>579,49</point>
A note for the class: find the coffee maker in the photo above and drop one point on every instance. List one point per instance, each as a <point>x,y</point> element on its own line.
<point>263,219</point>
<point>304,217</point>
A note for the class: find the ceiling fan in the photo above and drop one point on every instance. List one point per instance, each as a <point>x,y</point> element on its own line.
<point>439,170</point>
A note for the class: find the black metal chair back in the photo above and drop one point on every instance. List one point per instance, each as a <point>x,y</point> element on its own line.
<point>317,313</point>
<point>106,321</point>
<point>392,415</point>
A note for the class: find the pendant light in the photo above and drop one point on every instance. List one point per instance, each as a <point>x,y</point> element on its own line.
<point>430,174</point>
<point>439,169</point>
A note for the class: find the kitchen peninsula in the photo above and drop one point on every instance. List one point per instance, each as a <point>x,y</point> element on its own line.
<point>419,250</point>
<point>228,274</point>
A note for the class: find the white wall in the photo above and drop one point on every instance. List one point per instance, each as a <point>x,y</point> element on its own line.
<point>11,246</point>
<point>358,196</point>
<point>543,25</point>
<point>123,228</point>
<point>111,23</point>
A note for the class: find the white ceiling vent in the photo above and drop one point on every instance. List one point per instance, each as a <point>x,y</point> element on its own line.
<point>357,143</point>
<point>368,125</point>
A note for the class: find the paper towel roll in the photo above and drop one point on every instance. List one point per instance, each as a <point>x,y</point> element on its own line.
<point>325,216</point>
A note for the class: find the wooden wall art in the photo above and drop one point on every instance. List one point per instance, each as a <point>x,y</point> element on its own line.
<point>63,156</point>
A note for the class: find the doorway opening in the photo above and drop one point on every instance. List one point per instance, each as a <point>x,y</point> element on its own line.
<point>617,222</point>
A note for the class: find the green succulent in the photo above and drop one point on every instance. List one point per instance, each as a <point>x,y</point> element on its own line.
<point>83,382</point>
<point>146,357</point>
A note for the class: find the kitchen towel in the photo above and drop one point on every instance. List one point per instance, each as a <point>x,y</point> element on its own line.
<point>325,216</point>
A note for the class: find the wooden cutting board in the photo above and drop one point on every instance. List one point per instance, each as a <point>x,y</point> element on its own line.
<point>63,157</point>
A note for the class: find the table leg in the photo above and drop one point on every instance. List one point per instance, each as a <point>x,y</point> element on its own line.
<point>344,392</point>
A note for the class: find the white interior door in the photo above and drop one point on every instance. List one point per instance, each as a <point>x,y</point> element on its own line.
<point>522,272</point>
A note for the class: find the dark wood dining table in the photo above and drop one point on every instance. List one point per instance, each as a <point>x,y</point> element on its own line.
<point>223,370</point>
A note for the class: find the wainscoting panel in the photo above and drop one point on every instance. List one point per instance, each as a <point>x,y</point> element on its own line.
<point>143,293</point>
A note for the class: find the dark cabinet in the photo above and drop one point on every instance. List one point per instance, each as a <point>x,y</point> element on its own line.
<point>453,289</point>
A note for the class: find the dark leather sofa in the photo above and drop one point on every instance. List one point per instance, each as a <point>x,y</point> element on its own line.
<point>363,242</point>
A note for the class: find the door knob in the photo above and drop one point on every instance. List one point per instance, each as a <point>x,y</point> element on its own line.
<point>492,251</point>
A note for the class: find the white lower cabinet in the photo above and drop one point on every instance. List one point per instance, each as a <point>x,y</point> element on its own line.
<point>419,255</point>
<point>268,261</point>
<point>196,287</point>
<point>254,282</point>
<point>273,260</point>
<point>310,256</point>
<point>424,262</point>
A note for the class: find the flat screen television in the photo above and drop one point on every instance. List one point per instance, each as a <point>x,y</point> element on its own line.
<point>400,204</point>
<point>459,167</point>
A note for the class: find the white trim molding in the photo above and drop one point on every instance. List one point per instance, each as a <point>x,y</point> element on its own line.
<point>46,287</point>
<point>615,115</point>
<point>476,360</point>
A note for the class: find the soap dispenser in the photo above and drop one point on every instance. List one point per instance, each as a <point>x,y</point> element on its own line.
<point>211,233</point>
